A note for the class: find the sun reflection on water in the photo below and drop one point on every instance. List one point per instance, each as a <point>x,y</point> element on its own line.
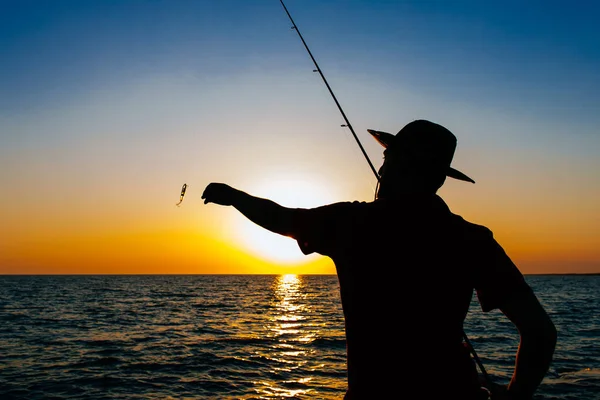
<point>289,331</point>
<point>290,310</point>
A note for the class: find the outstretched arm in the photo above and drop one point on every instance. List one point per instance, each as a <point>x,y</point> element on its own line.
<point>537,343</point>
<point>263,212</point>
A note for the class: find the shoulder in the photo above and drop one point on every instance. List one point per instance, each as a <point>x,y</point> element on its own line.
<point>496,278</point>
<point>472,230</point>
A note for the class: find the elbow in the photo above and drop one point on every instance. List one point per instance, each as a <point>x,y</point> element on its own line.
<point>544,336</point>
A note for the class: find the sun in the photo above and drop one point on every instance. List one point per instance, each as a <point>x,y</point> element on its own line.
<point>296,193</point>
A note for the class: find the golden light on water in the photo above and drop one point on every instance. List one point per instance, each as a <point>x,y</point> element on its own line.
<point>288,290</point>
<point>288,328</point>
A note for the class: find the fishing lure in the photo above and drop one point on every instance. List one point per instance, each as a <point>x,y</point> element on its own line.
<point>183,188</point>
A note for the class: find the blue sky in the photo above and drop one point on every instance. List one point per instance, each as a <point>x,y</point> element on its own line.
<point>541,56</point>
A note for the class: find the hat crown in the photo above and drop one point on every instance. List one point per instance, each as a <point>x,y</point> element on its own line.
<point>426,141</point>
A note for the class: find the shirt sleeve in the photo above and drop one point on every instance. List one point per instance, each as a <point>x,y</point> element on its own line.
<point>496,275</point>
<point>323,229</point>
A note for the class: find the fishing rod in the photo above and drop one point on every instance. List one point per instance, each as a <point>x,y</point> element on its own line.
<point>318,69</point>
<point>349,126</point>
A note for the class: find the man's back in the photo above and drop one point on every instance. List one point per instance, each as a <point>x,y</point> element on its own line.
<point>407,269</point>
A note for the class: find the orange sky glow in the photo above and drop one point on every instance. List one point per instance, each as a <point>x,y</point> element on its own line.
<point>104,116</point>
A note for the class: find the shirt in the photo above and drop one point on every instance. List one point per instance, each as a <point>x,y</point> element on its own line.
<point>407,270</point>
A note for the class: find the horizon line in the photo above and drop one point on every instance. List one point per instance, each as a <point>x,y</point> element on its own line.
<point>266,274</point>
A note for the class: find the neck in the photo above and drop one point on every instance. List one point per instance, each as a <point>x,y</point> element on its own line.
<point>396,185</point>
<point>395,192</point>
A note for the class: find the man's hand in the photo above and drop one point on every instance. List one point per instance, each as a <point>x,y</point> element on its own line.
<point>501,392</point>
<point>498,392</point>
<point>219,193</point>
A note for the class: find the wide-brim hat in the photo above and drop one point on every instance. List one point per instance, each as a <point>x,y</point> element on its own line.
<point>426,142</point>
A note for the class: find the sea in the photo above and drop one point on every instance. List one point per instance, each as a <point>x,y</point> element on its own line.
<point>241,337</point>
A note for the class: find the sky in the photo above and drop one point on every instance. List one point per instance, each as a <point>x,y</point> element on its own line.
<point>108,107</point>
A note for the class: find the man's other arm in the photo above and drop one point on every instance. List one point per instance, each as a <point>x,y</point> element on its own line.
<point>537,343</point>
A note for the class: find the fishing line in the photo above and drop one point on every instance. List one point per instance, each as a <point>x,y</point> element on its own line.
<point>349,126</point>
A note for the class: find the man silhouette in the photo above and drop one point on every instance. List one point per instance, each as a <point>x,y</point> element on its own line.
<point>407,268</point>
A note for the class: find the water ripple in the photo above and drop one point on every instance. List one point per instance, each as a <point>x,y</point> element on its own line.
<point>237,337</point>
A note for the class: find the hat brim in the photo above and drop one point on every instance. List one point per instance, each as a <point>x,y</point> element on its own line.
<point>385,139</point>
<point>453,173</point>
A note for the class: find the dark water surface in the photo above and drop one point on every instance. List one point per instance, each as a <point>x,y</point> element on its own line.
<point>239,337</point>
